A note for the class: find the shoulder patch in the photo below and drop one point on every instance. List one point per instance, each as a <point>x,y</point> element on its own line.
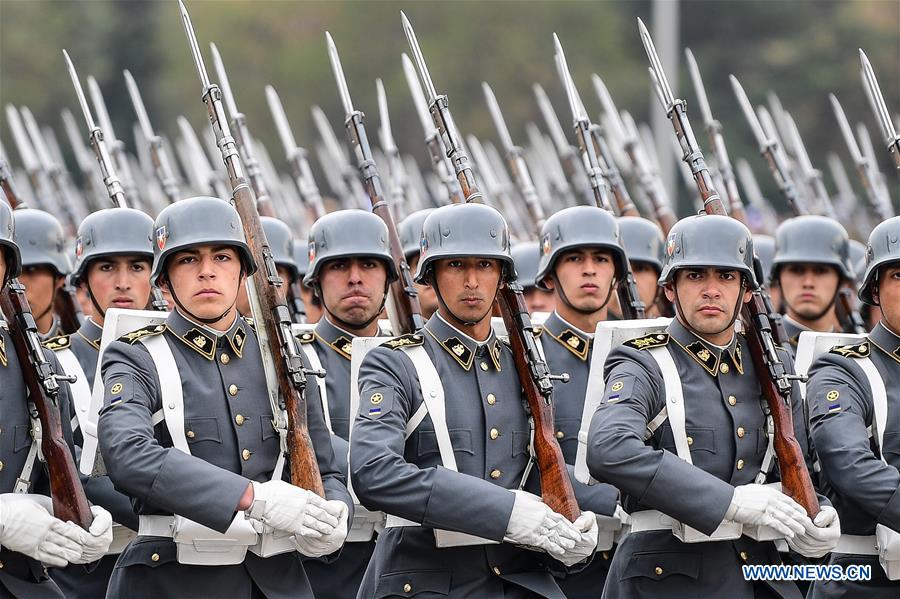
<point>408,340</point>
<point>857,350</point>
<point>57,343</point>
<point>307,337</point>
<point>648,342</point>
<point>134,336</point>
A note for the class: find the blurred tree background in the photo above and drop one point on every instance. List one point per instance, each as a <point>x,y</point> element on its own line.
<point>801,49</point>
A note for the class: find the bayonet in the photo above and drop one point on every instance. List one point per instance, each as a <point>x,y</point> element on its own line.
<point>83,158</point>
<point>811,175</point>
<point>27,155</point>
<point>868,150</point>
<point>879,107</point>
<point>559,189</point>
<point>571,162</point>
<point>400,190</point>
<point>349,187</point>
<point>116,147</point>
<point>203,170</point>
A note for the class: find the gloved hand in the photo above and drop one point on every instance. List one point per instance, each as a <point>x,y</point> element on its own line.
<point>820,535</point>
<point>764,505</point>
<point>27,527</point>
<point>535,525</point>
<point>586,524</point>
<point>318,544</point>
<point>95,542</point>
<point>283,506</point>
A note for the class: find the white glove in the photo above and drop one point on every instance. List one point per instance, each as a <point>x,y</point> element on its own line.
<point>318,544</point>
<point>283,506</point>
<point>95,541</point>
<point>27,527</point>
<point>820,535</point>
<point>763,505</point>
<point>535,525</point>
<point>586,523</point>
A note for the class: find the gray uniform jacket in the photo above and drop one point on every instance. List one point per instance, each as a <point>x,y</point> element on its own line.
<point>75,581</point>
<point>342,577</point>
<point>865,490</point>
<point>568,349</point>
<point>21,576</point>
<point>726,430</point>
<point>228,425</point>
<point>489,432</point>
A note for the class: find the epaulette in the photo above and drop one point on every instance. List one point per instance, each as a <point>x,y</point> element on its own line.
<point>134,336</point>
<point>648,342</point>
<point>408,340</point>
<point>856,350</point>
<point>57,343</point>
<point>307,337</point>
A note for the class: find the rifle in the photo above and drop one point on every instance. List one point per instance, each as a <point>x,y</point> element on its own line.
<point>406,313</point>
<point>716,142</point>
<point>497,191</point>
<point>776,387</point>
<point>544,154</point>
<point>108,170</point>
<point>277,343</point>
<point>629,300</point>
<point>116,146</point>
<point>162,166</point>
<point>347,184</point>
<point>882,115</point>
<point>436,152</point>
<point>206,178</point>
<point>556,487</point>
<point>868,151</point>
<point>399,182</point>
<point>28,157</point>
<point>812,176</point>
<point>83,158</point>
<point>296,157</point>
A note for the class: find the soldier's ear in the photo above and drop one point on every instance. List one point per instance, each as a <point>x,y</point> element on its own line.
<point>669,290</point>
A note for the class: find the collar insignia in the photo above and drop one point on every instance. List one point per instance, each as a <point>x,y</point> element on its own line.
<point>573,342</point>
<point>737,358</point>
<point>460,352</point>
<point>3,351</point>
<point>200,342</point>
<point>343,346</point>
<point>237,341</point>
<point>495,354</point>
<point>706,358</point>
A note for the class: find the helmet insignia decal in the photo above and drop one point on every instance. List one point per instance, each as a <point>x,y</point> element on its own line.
<point>545,244</point>
<point>162,235</point>
<point>79,246</point>
<point>312,251</point>
<point>670,245</point>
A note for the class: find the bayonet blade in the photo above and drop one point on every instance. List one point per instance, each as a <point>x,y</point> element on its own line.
<point>100,106</point>
<point>23,144</point>
<point>79,92</point>
<point>195,47</point>
<point>37,139</point>
<point>139,109</point>
<point>562,67</point>
<point>224,84</point>
<point>427,83</point>
<point>663,89</point>
<point>385,134</point>
<point>497,117</point>
<point>699,90</point>
<point>328,137</point>
<point>846,131</point>
<point>762,139</point>
<point>551,120</point>
<point>281,121</point>
<point>338,71</point>
<point>609,107</point>
<point>419,101</point>
<point>883,116</point>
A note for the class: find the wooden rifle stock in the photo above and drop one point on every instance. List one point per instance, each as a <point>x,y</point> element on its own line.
<point>66,306</point>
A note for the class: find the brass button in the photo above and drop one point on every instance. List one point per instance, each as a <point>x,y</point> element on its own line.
<point>723,368</point>
<point>732,400</point>
<point>740,464</point>
<point>494,434</point>
<point>407,588</point>
<point>224,358</point>
<point>560,434</point>
<point>190,434</point>
<point>239,419</point>
<point>1,565</point>
<point>495,474</point>
<point>496,570</point>
<point>484,366</point>
<point>744,555</point>
<point>605,555</point>
<point>690,440</point>
<point>491,399</point>
<point>1,465</point>
<point>154,557</point>
<point>741,432</point>
<point>246,454</point>
<point>658,570</point>
<point>232,390</point>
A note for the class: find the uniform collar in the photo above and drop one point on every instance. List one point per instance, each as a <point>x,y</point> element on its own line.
<point>568,335</point>
<point>335,337</point>
<point>460,346</point>
<point>886,341</point>
<point>91,332</point>
<point>713,359</point>
<point>54,331</point>
<point>203,340</point>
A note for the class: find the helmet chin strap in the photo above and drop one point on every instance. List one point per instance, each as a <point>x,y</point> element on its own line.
<point>94,302</point>
<point>349,325</point>
<point>565,299</point>
<point>440,299</point>
<point>206,320</point>
<point>50,305</point>
<point>734,315</point>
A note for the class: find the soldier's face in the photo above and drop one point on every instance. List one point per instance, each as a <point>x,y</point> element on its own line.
<point>41,284</point>
<point>311,304</point>
<point>427,298</point>
<point>808,289</point>
<point>539,300</point>
<point>585,276</point>
<point>353,288</point>
<point>206,279</point>
<point>468,286</point>
<point>647,279</point>
<point>888,296</point>
<point>120,282</point>
<point>707,299</point>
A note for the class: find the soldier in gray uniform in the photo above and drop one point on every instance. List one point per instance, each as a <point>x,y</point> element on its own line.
<point>113,254</point>
<point>350,270</point>
<point>526,256</point>
<point>45,265</point>
<point>704,468</point>
<point>453,460</point>
<point>859,468</point>
<point>811,264</point>
<point>410,231</point>
<point>581,261</point>
<point>31,538</point>
<point>643,242</point>
<point>311,303</point>
<point>278,234</point>
<point>215,458</point>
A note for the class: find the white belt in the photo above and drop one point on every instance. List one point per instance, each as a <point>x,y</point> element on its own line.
<point>442,538</point>
<point>650,520</point>
<point>122,535</point>
<point>856,545</point>
<point>655,520</point>
<point>156,526</point>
